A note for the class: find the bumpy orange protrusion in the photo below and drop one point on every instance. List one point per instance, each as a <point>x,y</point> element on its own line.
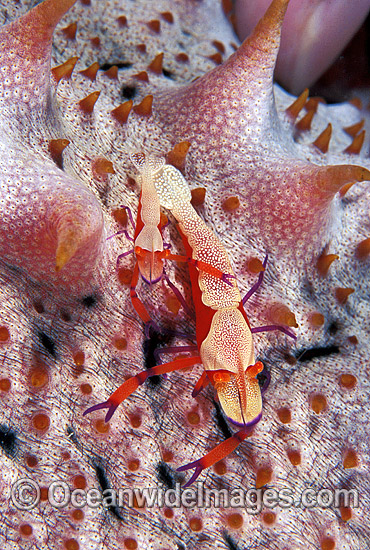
<point>101,166</point>
<point>280,314</point>
<point>120,216</point>
<point>235,521</point>
<point>87,104</point>
<point>70,31</point>
<point>154,25</point>
<point>345,513</point>
<point>231,204</point>
<point>167,16</point>
<point>182,57</point>
<point>64,70</point>
<point>356,144</point>
<point>363,249</point>
<point>198,196</point>
<point>350,459</point>
<point>91,71</point>
<point>316,319</point>
<point>355,128</point>
<point>57,146</point>
<point>348,381</point>
<point>122,112</point>
<point>324,262</point>
<point>122,21</point>
<point>41,422</point>
<point>343,190</point>
<point>216,57</point>
<point>294,109</point>
<point>141,48</point>
<point>4,334</point>
<point>305,123</point>
<point>284,415</point>
<point>269,518</point>
<point>264,476</point>
<point>219,46</point>
<point>112,72</point>
<point>318,403</point>
<point>334,177</point>
<point>157,64</point>
<point>327,543</point>
<point>95,41</point>
<point>342,294</point>
<point>294,457</point>
<point>323,140</point>
<point>145,107</point>
<point>142,76</point>
<point>177,155</point>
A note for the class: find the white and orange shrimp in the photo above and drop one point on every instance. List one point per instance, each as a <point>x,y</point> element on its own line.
<point>223,333</point>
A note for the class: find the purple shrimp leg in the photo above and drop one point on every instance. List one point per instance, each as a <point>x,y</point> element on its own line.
<point>269,328</point>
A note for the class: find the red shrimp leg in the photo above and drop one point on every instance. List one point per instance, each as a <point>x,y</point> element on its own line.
<point>218,453</point>
<point>202,266</point>
<point>136,302</point>
<point>201,384</point>
<point>130,385</point>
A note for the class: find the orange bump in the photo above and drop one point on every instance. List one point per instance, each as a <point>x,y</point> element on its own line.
<point>87,104</point>
<point>343,190</point>
<point>167,16</point>
<point>353,340</point>
<point>294,457</point>
<point>86,389</point>
<point>269,518</point>
<point>324,262</point>
<point>142,76</point>
<point>25,529</point>
<point>355,128</point>
<point>177,155</point>
<point>198,196</point>
<point>31,461</point>
<point>157,64</point>
<point>102,166</point>
<point>280,314</point>
<point>120,216</point>
<point>135,420</point>
<point>39,378</point>
<point>182,57</point>
<point>264,476</point>
<point>57,146</point>
<point>316,319</point>
<point>318,403</point>
<point>193,418</point>
<point>120,343</point>
<point>284,415</point>
<point>4,334</point>
<point>219,46</point>
<point>154,25</point>
<point>327,543</point>
<point>95,41</point>
<point>79,481</point>
<point>363,249</point>
<point>345,513</point>
<point>342,294</point>
<point>112,72</point>
<point>313,103</point>
<point>78,515</point>
<point>348,381</point>
<point>101,426</point>
<point>255,266</point>
<point>130,544</point>
<point>133,465</point>
<point>79,358</point>
<point>356,144</point>
<point>305,123</point>
<point>41,422</point>
<point>121,112</point>
<point>294,109</point>
<point>5,384</point>
<point>231,204</point>
<point>70,31</point>
<point>141,48</point>
<point>168,513</point>
<point>220,468</point>
<point>64,70</point>
<point>91,71</point>
<point>124,276</point>
<point>235,521</point>
<point>323,140</point>
<point>195,524</point>
<point>71,544</point>
<point>216,57</point>
<point>350,459</point>
<point>122,21</point>
<point>145,107</point>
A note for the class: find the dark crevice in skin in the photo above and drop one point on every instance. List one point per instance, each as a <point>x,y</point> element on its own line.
<point>8,441</point>
<point>89,301</point>
<point>103,481</point>
<point>313,353</point>
<point>129,92</point>
<point>156,340</point>
<point>107,66</point>
<point>47,343</point>
<point>168,74</point>
<point>220,420</point>
<point>229,541</point>
<point>166,475</point>
<point>72,435</point>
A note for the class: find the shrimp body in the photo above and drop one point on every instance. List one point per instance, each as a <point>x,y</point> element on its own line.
<point>148,243</point>
<point>224,337</point>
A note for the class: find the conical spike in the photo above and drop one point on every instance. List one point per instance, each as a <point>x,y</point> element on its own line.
<point>323,140</point>
<point>332,178</point>
<point>294,109</point>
